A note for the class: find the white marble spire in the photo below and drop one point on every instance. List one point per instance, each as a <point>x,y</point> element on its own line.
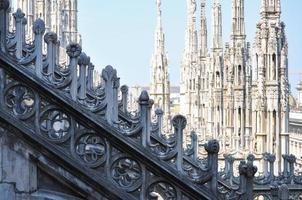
<point>160,84</point>
<point>217,25</point>
<point>159,41</point>
<point>189,63</point>
<point>191,43</point>
<point>238,22</point>
<point>271,8</point>
<point>271,87</point>
<point>203,30</point>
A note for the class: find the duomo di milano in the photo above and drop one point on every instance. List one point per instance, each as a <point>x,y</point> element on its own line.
<point>236,93</point>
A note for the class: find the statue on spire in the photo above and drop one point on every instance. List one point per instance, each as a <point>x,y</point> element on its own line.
<point>158,5</point>
<point>191,6</point>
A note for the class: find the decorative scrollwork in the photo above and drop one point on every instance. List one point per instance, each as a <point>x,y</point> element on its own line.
<point>161,189</point>
<point>90,149</point>
<point>126,173</point>
<point>55,125</point>
<point>164,148</point>
<point>196,173</point>
<point>20,100</point>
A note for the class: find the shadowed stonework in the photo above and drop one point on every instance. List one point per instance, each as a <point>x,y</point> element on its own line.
<point>64,137</point>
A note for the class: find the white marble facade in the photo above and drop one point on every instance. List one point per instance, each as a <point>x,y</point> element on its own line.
<point>237,94</point>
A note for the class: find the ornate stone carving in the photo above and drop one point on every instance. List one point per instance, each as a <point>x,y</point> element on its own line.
<point>179,122</point>
<point>50,37</point>
<point>73,50</point>
<point>90,148</point>
<point>126,172</point>
<point>19,15</point>
<point>247,169</point>
<point>212,147</point>
<point>39,27</point>
<point>20,100</point>
<point>55,125</point>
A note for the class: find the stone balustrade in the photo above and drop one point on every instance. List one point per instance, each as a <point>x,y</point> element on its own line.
<point>76,82</point>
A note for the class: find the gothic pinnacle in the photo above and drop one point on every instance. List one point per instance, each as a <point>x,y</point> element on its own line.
<point>238,24</point>
<point>217,25</point>
<point>203,30</point>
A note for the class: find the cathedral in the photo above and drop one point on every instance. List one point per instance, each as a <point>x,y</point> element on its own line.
<point>236,93</point>
<point>60,16</point>
<point>62,137</point>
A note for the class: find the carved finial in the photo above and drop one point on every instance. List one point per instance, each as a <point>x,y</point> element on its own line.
<point>212,146</point>
<point>179,122</point>
<point>39,26</point>
<point>285,156</point>
<point>84,59</point>
<point>19,15</point>
<point>4,4</point>
<point>109,73</point>
<point>50,37</point>
<point>124,89</point>
<point>73,50</point>
<point>247,169</point>
<point>291,159</point>
<point>144,97</point>
<point>271,158</point>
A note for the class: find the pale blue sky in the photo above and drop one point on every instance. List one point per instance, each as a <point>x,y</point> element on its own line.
<point>121,33</point>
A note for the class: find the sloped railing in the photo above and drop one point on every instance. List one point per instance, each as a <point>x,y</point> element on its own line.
<point>89,127</point>
<point>60,127</point>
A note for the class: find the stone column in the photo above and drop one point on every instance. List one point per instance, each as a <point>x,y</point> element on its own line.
<point>109,75</point>
<point>74,50</point>
<point>39,30</point>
